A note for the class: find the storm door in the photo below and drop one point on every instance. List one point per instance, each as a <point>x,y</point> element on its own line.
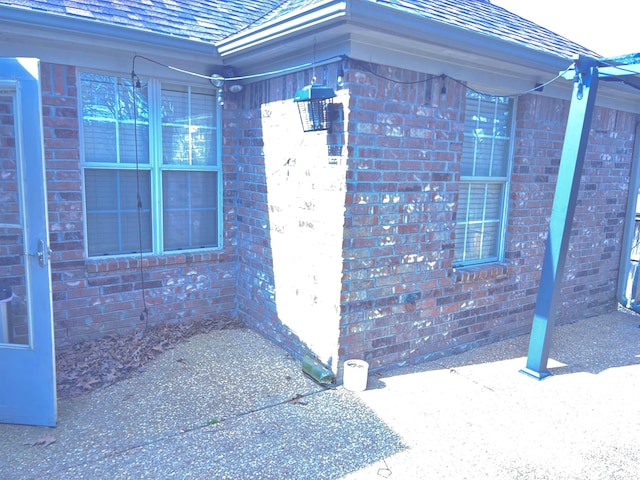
<point>27,369</point>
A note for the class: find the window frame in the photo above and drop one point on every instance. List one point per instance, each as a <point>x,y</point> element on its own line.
<point>155,166</point>
<point>468,181</point>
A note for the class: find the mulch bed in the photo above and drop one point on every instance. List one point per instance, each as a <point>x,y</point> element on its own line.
<point>89,365</point>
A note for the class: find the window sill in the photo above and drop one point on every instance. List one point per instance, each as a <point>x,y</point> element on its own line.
<point>126,262</point>
<point>473,273</point>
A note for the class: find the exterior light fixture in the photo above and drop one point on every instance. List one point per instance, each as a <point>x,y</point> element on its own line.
<point>340,76</point>
<point>216,80</point>
<point>443,88</point>
<point>313,105</point>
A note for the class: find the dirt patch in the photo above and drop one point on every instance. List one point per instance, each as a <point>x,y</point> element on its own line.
<point>94,364</point>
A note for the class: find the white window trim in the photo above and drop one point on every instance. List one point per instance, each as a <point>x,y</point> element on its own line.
<point>155,167</point>
<point>504,213</point>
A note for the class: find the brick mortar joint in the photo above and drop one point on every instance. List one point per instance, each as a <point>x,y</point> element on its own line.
<point>123,263</point>
<point>465,274</point>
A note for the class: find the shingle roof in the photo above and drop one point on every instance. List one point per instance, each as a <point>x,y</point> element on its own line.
<point>202,20</point>
<point>211,21</point>
<point>492,20</point>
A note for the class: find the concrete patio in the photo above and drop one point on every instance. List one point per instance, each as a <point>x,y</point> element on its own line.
<point>232,405</point>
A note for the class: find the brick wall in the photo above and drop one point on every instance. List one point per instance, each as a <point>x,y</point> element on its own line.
<point>93,297</point>
<point>399,299</point>
<point>342,243</point>
<point>402,299</point>
<point>594,251</point>
<point>291,188</point>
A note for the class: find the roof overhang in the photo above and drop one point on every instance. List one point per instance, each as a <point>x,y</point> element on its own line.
<point>86,43</point>
<point>371,32</point>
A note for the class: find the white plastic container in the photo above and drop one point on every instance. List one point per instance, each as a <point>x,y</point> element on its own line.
<point>355,375</point>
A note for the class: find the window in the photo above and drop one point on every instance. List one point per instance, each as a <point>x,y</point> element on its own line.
<point>152,177</point>
<point>484,178</point>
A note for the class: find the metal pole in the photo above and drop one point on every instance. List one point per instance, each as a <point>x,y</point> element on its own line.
<point>564,203</point>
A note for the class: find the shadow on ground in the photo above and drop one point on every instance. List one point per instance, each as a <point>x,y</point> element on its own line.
<point>475,415</point>
<point>226,404</point>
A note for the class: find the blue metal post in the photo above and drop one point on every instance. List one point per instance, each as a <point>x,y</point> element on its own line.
<point>564,203</point>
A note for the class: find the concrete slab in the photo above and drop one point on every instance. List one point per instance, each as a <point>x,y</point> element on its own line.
<point>230,404</point>
<point>475,415</point>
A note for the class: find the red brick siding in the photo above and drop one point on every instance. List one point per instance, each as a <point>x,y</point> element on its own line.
<point>399,297</point>
<point>93,297</point>
<point>406,142</point>
<point>288,185</point>
<point>244,146</point>
<point>594,249</point>
<point>594,252</point>
<point>399,236</point>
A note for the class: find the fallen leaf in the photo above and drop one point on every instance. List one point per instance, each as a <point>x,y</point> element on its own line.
<point>90,365</point>
<point>45,441</point>
<point>89,383</point>
<point>296,400</point>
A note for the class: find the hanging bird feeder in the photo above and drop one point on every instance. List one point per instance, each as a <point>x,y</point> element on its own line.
<point>313,105</point>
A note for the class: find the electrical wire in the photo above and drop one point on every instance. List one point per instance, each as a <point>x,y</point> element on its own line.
<point>400,82</point>
<point>537,87</point>
<point>243,77</point>
<point>135,83</point>
<point>170,67</point>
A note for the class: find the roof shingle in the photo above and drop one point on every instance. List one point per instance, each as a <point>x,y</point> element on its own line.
<point>200,20</point>
<point>492,20</point>
<point>211,21</point>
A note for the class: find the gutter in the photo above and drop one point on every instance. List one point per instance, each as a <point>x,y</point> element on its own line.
<point>384,19</point>
<point>379,19</point>
<point>319,14</point>
<point>371,32</point>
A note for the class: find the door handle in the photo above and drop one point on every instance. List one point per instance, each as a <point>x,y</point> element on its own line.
<point>42,254</point>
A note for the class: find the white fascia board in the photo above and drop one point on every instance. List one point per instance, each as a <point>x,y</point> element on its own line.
<point>371,17</point>
<point>400,27</point>
<point>307,32</point>
<point>501,79</point>
<point>488,74</point>
<point>86,43</point>
<point>619,97</point>
<point>447,59</point>
<point>320,14</point>
<point>369,32</point>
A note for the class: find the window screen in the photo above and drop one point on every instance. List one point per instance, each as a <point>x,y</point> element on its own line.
<point>190,209</point>
<point>483,178</point>
<point>113,223</point>
<point>127,177</point>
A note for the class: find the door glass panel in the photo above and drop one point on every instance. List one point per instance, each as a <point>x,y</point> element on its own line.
<point>14,324</point>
